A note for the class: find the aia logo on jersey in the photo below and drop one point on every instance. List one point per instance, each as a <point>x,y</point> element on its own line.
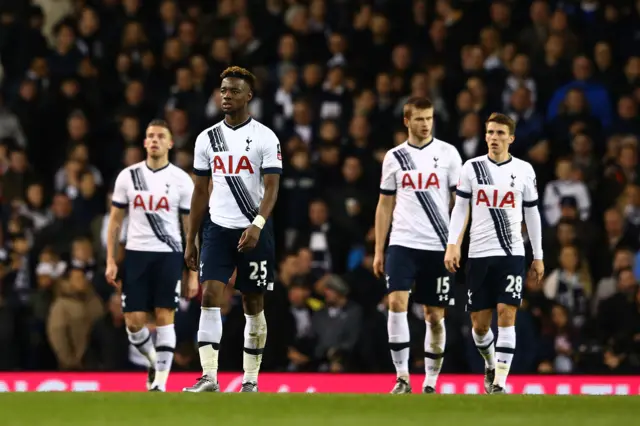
<point>493,199</point>
<point>230,165</point>
<point>419,181</point>
<point>151,204</point>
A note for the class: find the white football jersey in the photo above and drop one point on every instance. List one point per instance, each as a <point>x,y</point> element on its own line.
<point>422,180</point>
<point>498,194</point>
<point>236,158</point>
<point>155,199</point>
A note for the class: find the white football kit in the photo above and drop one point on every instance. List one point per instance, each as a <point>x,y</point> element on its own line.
<point>498,194</point>
<point>422,180</point>
<point>236,158</point>
<point>155,199</point>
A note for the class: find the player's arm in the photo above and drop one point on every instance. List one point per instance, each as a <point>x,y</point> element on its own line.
<point>186,194</point>
<point>384,211</point>
<point>271,171</point>
<point>534,224</point>
<point>199,199</point>
<point>119,203</point>
<point>458,222</point>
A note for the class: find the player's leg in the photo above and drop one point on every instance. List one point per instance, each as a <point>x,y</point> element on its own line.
<point>216,267</point>
<point>255,276</point>
<point>165,347</point>
<point>400,272</point>
<point>168,286</point>
<point>435,339</point>
<point>255,339</point>
<point>136,304</point>
<point>511,278</point>
<point>484,339</point>
<point>480,302</point>
<point>433,290</point>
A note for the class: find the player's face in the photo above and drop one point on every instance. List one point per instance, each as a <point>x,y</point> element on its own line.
<point>157,141</point>
<point>498,138</point>
<point>421,123</point>
<point>235,94</point>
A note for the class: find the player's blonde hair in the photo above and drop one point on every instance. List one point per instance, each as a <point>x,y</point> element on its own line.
<point>418,103</point>
<point>241,73</point>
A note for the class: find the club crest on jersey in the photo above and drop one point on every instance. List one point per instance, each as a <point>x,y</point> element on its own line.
<point>419,181</point>
<point>166,191</point>
<point>150,204</point>
<point>435,162</point>
<point>493,199</point>
<point>513,178</point>
<point>248,144</point>
<point>228,165</point>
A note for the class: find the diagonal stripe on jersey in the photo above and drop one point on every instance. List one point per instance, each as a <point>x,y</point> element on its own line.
<point>485,170</point>
<point>155,222</point>
<point>498,223</point>
<point>404,164</point>
<point>434,217</point>
<point>158,229</point>
<point>236,184</point>
<point>504,220</point>
<point>426,200</point>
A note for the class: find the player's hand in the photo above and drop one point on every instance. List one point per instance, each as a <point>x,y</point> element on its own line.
<point>191,256</point>
<point>111,273</point>
<point>378,265</point>
<point>249,239</point>
<point>537,270</point>
<point>452,258</point>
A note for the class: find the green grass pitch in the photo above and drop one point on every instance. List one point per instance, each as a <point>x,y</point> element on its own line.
<point>139,409</point>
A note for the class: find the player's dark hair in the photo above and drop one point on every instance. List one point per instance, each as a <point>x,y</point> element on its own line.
<point>418,103</point>
<point>241,73</point>
<point>159,122</point>
<point>503,119</point>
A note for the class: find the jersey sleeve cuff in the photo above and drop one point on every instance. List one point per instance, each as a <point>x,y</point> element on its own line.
<point>462,194</point>
<point>201,172</point>
<point>387,191</point>
<point>272,171</point>
<point>533,203</point>
<point>184,211</point>
<point>119,205</point>
<point>452,188</point>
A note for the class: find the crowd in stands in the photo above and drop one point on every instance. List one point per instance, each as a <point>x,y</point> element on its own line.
<point>80,80</point>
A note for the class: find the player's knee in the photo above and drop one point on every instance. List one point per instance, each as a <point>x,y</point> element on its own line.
<point>135,321</point>
<point>506,315</point>
<point>399,301</point>
<point>434,316</point>
<point>253,303</point>
<point>212,294</point>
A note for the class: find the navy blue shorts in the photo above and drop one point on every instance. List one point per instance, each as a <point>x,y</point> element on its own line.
<point>493,280</point>
<point>219,257</point>
<point>151,280</point>
<point>422,272</point>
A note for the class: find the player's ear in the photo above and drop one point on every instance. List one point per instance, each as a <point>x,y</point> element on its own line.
<point>405,120</point>
<point>250,95</point>
<point>512,138</point>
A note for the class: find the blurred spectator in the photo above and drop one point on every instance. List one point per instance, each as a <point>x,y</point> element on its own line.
<point>567,186</point>
<point>337,327</point>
